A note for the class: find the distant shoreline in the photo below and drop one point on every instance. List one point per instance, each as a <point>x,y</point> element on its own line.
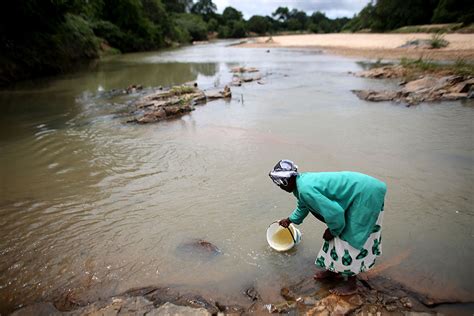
<point>372,45</point>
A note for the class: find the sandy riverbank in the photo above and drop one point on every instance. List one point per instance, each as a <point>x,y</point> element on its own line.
<point>386,46</point>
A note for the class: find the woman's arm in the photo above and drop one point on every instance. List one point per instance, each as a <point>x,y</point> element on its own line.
<point>299,214</point>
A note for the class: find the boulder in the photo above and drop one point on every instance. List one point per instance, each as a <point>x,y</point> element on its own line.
<point>420,85</point>
<point>219,94</point>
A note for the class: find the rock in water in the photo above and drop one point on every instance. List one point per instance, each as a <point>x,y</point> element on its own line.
<point>200,248</point>
<point>171,309</point>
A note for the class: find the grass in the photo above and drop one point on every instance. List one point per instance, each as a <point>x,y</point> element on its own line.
<point>437,41</point>
<point>460,67</point>
<point>430,28</point>
<point>179,90</point>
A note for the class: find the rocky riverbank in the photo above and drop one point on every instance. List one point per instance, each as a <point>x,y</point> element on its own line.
<point>417,87</point>
<point>376,296</point>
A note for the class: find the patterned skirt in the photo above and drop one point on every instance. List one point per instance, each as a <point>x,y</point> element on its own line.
<point>338,256</point>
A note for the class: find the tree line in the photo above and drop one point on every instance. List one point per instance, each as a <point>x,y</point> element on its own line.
<point>41,37</point>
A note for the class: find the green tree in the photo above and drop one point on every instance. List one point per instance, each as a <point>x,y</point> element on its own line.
<point>237,29</point>
<point>204,8</point>
<point>155,11</point>
<point>194,25</point>
<point>300,16</point>
<point>319,23</point>
<point>178,6</point>
<point>449,11</point>
<point>363,20</point>
<point>231,14</point>
<point>212,25</point>
<point>258,24</point>
<point>282,14</point>
<point>294,24</point>
<point>392,14</point>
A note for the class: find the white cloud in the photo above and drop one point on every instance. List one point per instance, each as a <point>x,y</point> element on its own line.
<point>332,8</point>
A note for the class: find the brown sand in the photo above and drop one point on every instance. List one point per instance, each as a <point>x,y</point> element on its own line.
<point>461,46</point>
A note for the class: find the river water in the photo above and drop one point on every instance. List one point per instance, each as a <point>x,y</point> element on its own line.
<point>93,206</point>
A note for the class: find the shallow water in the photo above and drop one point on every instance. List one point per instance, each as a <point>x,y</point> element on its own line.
<point>93,205</point>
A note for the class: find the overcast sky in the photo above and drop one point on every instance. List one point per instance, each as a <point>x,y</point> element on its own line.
<point>332,8</point>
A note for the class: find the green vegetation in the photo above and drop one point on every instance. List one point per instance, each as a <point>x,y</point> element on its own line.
<point>437,41</point>
<point>460,67</point>
<point>386,15</point>
<point>430,28</point>
<point>179,90</point>
<point>41,37</point>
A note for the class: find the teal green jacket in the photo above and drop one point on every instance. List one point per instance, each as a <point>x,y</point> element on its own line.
<point>348,202</point>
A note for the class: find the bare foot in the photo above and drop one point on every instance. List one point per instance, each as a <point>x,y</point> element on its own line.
<point>326,274</point>
<point>349,288</point>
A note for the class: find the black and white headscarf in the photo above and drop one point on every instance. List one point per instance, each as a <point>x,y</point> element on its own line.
<point>283,171</point>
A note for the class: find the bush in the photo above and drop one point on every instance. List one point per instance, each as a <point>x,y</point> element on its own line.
<point>110,32</point>
<point>180,35</point>
<point>193,24</point>
<point>258,24</point>
<point>237,29</point>
<point>437,41</point>
<point>76,39</point>
<point>223,31</point>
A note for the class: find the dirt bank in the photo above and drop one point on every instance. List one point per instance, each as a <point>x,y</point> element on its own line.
<point>386,46</point>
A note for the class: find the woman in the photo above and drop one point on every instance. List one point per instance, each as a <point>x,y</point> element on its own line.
<point>351,205</point>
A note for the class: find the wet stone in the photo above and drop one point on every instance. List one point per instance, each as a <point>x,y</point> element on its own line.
<point>199,248</point>
<point>38,309</point>
<point>252,294</point>
<point>197,301</point>
<point>171,309</point>
<point>162,295</point>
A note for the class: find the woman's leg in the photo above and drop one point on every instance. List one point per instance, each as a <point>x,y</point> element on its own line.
<point>326,274</point>
<point>349,287</point>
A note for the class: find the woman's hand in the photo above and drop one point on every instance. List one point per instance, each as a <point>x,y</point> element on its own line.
<point>285,222</point>
<point>327,235</point>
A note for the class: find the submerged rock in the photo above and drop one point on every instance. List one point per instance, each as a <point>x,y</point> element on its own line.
<point>252,294</point>
<point>200,248</point>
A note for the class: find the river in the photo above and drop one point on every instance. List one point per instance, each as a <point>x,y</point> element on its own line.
<point>94,206</point>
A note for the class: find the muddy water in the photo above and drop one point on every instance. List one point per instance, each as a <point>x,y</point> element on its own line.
<point>94,206</point>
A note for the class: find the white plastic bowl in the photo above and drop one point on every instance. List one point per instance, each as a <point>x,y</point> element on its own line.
<point>274,228</point>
